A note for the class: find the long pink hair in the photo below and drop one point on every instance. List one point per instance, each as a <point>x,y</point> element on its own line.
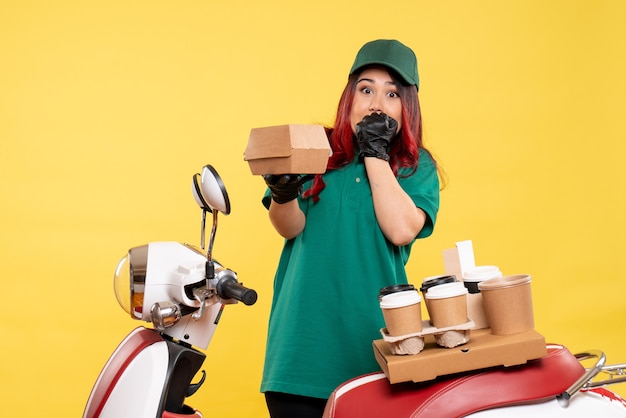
<point>404,151</point>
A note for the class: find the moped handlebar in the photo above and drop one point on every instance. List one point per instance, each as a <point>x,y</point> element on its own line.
<point>230,288</point>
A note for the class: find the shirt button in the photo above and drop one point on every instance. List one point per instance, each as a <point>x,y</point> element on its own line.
<point>358,179</point>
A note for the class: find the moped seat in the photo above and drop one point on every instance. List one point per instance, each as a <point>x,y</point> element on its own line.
<point>538,380</point>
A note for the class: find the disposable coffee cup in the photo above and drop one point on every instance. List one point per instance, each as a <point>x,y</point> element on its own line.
<point>508,304</point>
<point>433,281</point>
<point>402,312</point>
<point>471,278</point>
<point>447,304</point>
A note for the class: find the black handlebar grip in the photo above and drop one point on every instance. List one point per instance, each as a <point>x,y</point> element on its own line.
<point>231,289</point>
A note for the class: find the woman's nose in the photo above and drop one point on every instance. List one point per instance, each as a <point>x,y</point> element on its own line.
<point>375,104</point>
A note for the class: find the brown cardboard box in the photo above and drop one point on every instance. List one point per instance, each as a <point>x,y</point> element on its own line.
<point>482,351</point>
<point>288,149</point>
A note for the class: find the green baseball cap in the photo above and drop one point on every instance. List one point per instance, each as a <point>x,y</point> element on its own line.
<point>392,54</point>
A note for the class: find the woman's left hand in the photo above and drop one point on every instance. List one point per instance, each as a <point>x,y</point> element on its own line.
<point>374,134</point>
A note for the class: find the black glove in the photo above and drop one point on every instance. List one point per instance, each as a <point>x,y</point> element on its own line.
<point>374,134</point>
<point>285,187</point>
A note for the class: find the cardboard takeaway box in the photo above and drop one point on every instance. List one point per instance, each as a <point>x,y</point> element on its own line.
<point>288,149</point>
<point>483,350</point>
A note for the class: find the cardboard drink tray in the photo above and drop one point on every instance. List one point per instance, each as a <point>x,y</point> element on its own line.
<point>482,351</point>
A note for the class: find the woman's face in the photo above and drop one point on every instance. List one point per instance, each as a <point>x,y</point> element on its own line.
<point>376,92</point>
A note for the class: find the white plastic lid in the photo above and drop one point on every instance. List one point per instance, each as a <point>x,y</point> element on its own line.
<point>446,290</point>
<point>400,299</point>
<point>480,273</point>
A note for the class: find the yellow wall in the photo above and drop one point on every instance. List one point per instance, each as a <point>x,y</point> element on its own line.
<point>108,107</point>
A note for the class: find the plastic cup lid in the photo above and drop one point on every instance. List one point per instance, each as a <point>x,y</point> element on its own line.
<point>431,281</point>
<point>446,290</point>
<point>394,288</point>
<point>480,273</point>
<point>400,299</point>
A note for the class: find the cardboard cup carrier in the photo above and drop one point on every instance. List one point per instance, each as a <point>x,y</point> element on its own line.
<point>508,304</point>
<point>447,304</point>
<point>402,312</point>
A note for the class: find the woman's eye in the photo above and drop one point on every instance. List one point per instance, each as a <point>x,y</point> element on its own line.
<point>393,94</point>
<point>366,90</point>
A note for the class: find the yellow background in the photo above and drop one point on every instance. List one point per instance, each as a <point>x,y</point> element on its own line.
<point>107,108</point>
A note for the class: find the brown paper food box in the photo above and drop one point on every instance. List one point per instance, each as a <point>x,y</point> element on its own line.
<point>288,149</point>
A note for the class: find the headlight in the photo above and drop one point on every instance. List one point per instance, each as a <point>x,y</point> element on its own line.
<point>130,279</point>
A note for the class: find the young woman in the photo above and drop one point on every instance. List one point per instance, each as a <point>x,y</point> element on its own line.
<point>348,234</point>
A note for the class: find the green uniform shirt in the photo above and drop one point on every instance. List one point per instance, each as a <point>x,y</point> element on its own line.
<point>325,310</point>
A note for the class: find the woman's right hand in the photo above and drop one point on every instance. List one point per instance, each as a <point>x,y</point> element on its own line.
<point>285,187</point>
